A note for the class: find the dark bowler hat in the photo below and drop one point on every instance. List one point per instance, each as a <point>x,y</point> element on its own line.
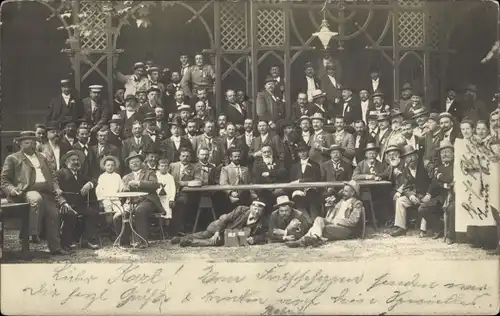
<point>434,117</point>
<point>67,121</point>
<point>392,148</point>
<point>139,64</point>
<point>348,87</point>
<point>471,87</point>
<point>269,79</point>
<point>406,86</point>
<point>335,147</point>
<point>445,144</point>
<point>27,135</point>
<point>52,126</point>
<point>286,123</point>
<point>73,152</point>
<point>302,146</point>
<point>132,155</point>
<point>142,90</point>
<point>372,115</point>
<point>308,65</point>
<point>446,114</point>
<point>408,150</point>
<point>395,113</point>
<point>378,94</point>
<point>372,146</point>
<point>153,68</point>
<point>420,112</point>
<point>130,97</point>
<point>65,82</point>
<point>382,116</point>
<point>154,89</point>
<point>150,116</point>
<point>116,118</point>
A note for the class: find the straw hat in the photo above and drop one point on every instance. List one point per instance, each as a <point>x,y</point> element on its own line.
<point>408,150</point>
<point>283,200</point>
<point>74,152</point>
<point>106,158</point>
<point>354,185</point>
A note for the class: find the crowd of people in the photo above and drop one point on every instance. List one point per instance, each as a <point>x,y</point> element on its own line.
<point>161,134</point>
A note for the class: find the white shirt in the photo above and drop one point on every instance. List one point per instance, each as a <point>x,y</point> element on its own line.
<point>108,184</point>
<point>152,135</point>
<point>306,136</point>
<point>57,152</point>
<point>137,174</point>
<point>85,148</point>
<point>263,138</point>
<point>344,205</point>
<point>316,133</point>
<point>177,141</point>
<point>413,172</point>
<point>447,135</point>
<point>39,178</point>
<point>237,107</point>
<point>249,138</point>
<point>66,98</point>
<point>346,105</point>
<point>268,161</point>
<point>320,106</point>
<point>167,180</point>
<point>358,139</point>
<point>137,140</point>
<point>229,142</point>
<point>364,110</point>
<point>303,164</point>
<point>310,88</point>
<point>375,84</point>
<point>129,113</point>
<point>71,141</point>
<point>448,104</point>
<point>412,141</point>
<point>333,80</point>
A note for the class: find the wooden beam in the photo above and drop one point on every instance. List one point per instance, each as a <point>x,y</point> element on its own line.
<point>75,10</point>
<point>218,71</point>
<point>395,52</point>
<point>254,45</point>
<point>287,61</point>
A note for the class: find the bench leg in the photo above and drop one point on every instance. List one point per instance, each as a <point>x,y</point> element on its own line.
<point>26,233</point>
<point>196,220</point>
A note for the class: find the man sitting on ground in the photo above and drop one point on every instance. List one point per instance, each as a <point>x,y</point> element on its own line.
<point>241,217</point>
<point>286,223</point>
<point>340,220</point>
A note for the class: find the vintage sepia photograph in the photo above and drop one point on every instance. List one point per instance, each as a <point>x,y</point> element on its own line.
<point>250,157</point>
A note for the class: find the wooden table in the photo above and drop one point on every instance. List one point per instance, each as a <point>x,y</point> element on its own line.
<point>22,211</point>
<point>365,186</point>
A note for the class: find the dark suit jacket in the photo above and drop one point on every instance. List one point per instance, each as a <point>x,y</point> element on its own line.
<point>171,152</point>
<point>235,116</point>
<point>59,110</point>
<point>331,91</point>
<point>115,140</point>
<point>100,117</point>
<point>206,173</point>
<point>127,123</point>
<point>188,174</point>
<point>129,145</point>
<point>383,86</point>
<point>328,113</point>
<point>68,183</point>
<point>269,109</point>
<point>312,172</point>
<point>273,140</point>
<point>277,173</point>
<point>439,106</point>
<point>365,139</point>
<point>18,173</point>
<point>277,222</point>
<point>48,153</point>
<point>237,143</point>
<point>148,183</point>
<point>329,173</point>
<point>445,179</point>
<point>419,185</point>
<point>301,85</point>
<point>352,112</point>
<point>297,111</point>
<point>362,170</point>
<point>89,165</point>
<point>237,219</point>
<point>108,150</point>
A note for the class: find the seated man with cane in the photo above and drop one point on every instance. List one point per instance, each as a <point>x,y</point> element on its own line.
<point>241,217</point>
<point>27,177</point>
<point>139,180</point>
<point>340,221</point>
<point>76,187</point>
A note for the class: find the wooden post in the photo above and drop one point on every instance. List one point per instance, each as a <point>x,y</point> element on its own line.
<point>287,60</point>
<point>426,50</point>
<point>76,46</point>
<point>218,57</point>
<point>109,56</point>
<point>254,51</point>
<point>443,57</point>
<point>395,49</point>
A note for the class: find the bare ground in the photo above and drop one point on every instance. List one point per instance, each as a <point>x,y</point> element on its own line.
<point>375,245</point>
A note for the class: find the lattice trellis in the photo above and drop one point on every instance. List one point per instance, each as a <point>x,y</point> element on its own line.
<point>433,32</point>
<point>411,29</point>
<point>93,25</point>
<point>410,4</point>
<point>233,26</point>
<point>271,27</point>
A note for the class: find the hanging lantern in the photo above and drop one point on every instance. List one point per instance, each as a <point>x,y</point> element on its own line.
<point>324,34</point>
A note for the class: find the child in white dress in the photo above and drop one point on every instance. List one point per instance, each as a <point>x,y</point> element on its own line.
<point>108,184</point>
<point>167,189</point>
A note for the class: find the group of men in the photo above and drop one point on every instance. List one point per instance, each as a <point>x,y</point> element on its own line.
<point>334,134</point>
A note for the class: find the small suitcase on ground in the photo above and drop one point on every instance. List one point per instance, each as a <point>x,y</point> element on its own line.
<point>236,237</point>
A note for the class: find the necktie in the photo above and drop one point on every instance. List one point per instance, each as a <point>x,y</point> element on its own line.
<point>240,177</point>
<point>100,150</point>
<point>85,150</point>
<point>76,176</point>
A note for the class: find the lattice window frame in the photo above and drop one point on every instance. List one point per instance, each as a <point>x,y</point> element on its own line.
<point>233,26</point>
<point>271,27</point>
<point>93,35</point>
<point>410,4</point>
<point>433,31</point>
<point>411,29</point>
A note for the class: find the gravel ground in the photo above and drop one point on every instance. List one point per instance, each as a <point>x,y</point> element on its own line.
<point>373,246</point>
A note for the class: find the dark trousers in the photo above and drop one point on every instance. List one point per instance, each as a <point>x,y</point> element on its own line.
<point>432,211</point>
<point>184,213</point>
<point>79,225</point>
<point>141,216</point>
<point>201,239</point>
